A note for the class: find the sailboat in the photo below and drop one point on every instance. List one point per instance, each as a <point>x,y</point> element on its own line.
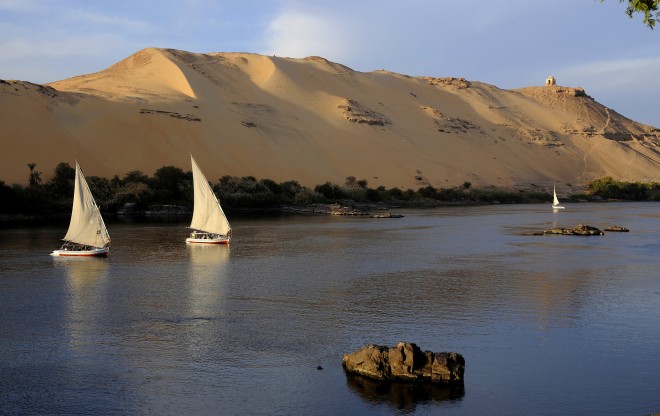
<point>209,223</point>
<point>555,201</point>
<point>87,234</point>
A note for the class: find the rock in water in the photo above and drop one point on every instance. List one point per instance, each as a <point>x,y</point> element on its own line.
<point>617,228</point>
<point>580,229</point>
<point>405,362</point>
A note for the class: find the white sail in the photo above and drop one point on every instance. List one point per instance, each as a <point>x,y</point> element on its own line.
<point>207,213</point>
<point>555,200</point>
<point>86,226</point>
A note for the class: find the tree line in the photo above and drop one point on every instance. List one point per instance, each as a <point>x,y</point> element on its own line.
<point>608,188</point>
<point>171,185</point>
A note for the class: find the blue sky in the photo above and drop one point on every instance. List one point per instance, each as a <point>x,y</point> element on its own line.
<point>507,43</point>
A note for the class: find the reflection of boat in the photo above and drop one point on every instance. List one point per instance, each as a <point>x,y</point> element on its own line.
<point>87,234</point>
<point>81,273</point>
<point>208,255</point>
<point>209,223</point>
<point>208,276</point>
<point>85,281</point>
<point>555,200</point>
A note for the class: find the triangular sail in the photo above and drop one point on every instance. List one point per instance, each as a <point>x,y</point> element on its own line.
<point>86,226</point>
<point>207,213</point>
<point>555,201</point>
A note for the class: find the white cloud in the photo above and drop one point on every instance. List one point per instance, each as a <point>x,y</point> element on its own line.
<point>298,35</point>
<point>639,74</point>
<point>628,86</point>
<point>48,17</point>
<point>418,38</point>
<point>62,46</point>
<point>22,6</point>
<point>42,41</point>
<point>116,22</point>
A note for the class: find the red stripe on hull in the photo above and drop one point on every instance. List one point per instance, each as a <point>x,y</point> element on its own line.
<point>208,242</point>
<point>84,255</point>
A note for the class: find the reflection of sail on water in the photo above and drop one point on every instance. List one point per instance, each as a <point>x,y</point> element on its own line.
<point>83,275</point>
<point>84,284</point>
<point>208,274</point>
<point>208,255</point>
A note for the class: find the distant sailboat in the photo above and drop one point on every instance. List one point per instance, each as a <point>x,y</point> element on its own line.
<point>87,234</point>
<point>209,223</point>
<point>555,201</point>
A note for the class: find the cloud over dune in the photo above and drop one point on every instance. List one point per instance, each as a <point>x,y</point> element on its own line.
<point>638,73</point>
<point>297,34</point>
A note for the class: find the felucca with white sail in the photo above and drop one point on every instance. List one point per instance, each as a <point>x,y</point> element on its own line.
<point>555,201</point>
<point>87,234</point>
<point>209,223</point>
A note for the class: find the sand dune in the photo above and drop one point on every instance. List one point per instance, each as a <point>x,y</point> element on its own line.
<point>314,121</point>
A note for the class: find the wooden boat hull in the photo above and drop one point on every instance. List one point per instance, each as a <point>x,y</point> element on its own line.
<point>191,240</point>
<point>97,252</point>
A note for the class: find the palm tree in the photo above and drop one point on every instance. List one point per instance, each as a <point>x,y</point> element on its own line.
<point>35,177</point>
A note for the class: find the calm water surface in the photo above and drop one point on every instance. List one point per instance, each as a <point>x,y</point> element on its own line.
<point>548,325</point>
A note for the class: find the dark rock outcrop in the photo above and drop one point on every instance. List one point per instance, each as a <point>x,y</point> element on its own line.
<point>357,113</point>
<point>405,362</point>
<point>580,229</point>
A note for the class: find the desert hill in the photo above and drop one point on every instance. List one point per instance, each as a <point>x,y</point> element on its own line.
<point>313,121</point>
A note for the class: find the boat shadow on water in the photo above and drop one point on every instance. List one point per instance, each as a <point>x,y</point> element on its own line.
<point>401,395</point>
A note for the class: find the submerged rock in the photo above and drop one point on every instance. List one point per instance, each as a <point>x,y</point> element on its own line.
<point>580,229</point>
<point>618,229</point>
<point>386,215</point>
<point>340,210</point>
<point>405,362</point>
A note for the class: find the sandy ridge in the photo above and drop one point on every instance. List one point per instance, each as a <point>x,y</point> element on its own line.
<point>314,121</point>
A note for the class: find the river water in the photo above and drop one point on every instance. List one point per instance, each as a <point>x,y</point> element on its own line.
<point>548,325</point>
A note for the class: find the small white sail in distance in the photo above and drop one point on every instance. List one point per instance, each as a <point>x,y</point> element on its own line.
<point>555,200</point>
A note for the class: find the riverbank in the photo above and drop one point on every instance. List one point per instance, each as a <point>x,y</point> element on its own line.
<point>344,208</point>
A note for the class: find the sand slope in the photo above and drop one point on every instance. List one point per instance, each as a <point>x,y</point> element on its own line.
<point>314,121</point>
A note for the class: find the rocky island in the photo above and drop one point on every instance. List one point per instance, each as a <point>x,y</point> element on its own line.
<point>405,362</point>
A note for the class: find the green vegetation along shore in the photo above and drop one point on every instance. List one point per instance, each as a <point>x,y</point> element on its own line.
<point>172,186</point>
